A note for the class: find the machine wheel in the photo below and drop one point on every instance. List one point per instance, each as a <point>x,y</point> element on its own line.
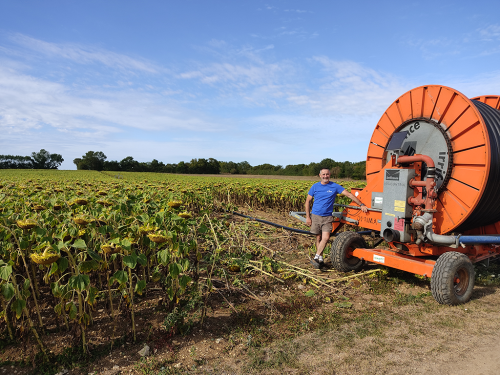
<point>342,246</point>
<point>452,279</point>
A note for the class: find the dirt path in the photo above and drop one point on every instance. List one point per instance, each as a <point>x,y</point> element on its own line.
<point>482,358</point>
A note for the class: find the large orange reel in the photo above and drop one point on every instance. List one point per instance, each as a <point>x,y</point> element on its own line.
<point>463,139</point>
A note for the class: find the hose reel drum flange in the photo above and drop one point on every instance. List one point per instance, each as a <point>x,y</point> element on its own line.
<point>463,139</point>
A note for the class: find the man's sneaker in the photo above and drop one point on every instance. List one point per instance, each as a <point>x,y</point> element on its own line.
<point>317,262</point>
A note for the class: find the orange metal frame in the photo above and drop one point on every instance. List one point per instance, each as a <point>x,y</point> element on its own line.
<point>468,134</point>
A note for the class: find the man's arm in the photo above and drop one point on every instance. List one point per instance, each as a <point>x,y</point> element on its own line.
<point>351,196</point>
<point>308,209</point>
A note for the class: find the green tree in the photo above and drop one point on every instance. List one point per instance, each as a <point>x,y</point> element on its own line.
<point>182,167</point>
<point>91,161</point>
<point>45,160</point>
<point>15,162</point>
<point>128,164</point>
<point>112,165</point>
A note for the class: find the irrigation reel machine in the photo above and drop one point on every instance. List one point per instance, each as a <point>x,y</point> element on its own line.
<point>433,175</point>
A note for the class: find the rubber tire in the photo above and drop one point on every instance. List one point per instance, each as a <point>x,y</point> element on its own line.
<point>341,246</point>
<point>448,267</point>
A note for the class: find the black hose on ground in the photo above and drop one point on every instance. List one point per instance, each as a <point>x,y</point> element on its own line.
<point>366,232</point>
<point>274,224</point>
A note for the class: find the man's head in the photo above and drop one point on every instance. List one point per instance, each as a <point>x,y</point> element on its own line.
<point>324,175</point>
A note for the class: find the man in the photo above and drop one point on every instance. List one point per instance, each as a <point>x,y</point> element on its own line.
<point>324,194</point>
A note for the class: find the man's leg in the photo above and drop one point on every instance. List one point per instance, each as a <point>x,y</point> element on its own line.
<point>321,241</point>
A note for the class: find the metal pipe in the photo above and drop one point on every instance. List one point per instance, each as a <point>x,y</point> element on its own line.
<point>440,239</point>
<point>412,159</point>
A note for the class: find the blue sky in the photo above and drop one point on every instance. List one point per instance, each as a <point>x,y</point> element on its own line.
<point>280,82</point>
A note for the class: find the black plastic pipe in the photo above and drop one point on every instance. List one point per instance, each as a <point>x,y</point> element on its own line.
<point>363,233</point>
<point>274,224</point>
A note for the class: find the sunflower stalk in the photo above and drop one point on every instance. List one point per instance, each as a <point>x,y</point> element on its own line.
<point>27,272</point>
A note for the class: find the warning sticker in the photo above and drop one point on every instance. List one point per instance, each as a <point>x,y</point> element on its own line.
<point>378,258</point>
<point>399,206</point>
<point>399,224</point>
<point>399,203</point>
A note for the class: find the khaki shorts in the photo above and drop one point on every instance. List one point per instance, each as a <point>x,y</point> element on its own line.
<point>321,224</point>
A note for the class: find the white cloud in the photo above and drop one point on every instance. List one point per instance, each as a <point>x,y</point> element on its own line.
<point>238,75</point>
<point>28,103</point>
<point>348,88</point>
<point>490,32</point>
<point>85,54</point>
<point>298,11</point>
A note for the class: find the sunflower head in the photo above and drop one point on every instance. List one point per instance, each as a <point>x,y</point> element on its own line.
<point>26,224</point>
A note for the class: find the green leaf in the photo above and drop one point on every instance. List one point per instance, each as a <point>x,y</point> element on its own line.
<point>170,293</point>
<point>26,284</point>
<point>79,244</point>
<point>120,276</point>
<point>203,229</point>
<point>40,232</point>
<point>53,269</point>
<point>24,244</point>
<point>158,220</point>
<point>164,257</point>
<point>140,286</point>
<point>184,281</point>
<point>142,260</point>
<point>17,306</point>
<point>56,290</point>
<point>130,261</point>
<point>73,232</point>
<point>126,244</point>
<point>5,272</point>
<point>88,266</point>
<point>175,269</point>
<point>62,264</point>
<point>94,255</point>
<point>8,291</point>
<point>91,297</point>
<point>79,282</point>
<point>71,309</point>
<point>309,293</point>
<point>184,264</point>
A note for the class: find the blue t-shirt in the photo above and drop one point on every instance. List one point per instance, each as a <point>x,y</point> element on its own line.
<point>324,197</point>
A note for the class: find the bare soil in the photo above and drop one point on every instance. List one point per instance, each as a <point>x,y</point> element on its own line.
<point>387,324</point>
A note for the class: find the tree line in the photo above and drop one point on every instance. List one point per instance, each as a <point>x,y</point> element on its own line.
<point>97,161</point>
<point>38,160</point>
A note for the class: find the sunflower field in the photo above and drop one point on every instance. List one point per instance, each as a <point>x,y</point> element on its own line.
<point>69,239</point>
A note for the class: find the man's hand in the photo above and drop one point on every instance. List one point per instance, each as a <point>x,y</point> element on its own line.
<point>355,199</point>
<point>308,221</point>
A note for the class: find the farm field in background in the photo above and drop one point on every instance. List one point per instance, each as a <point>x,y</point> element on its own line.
<point>91,260</point>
